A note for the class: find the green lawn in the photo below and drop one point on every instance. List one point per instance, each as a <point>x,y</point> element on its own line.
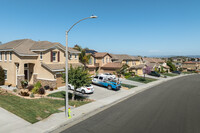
<point>141,79</point>
<point>170,74</point>
<point>128,86</point>
<point>78,99</point>
<point>33,110</point>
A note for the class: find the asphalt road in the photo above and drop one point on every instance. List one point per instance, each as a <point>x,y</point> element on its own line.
<point>172,107</point>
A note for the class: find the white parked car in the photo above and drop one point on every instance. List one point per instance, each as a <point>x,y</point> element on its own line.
<point>84,90</point>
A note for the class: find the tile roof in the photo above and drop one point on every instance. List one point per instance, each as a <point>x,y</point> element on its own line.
<point>112,65</point>
<point>122,57</point>
<point>140,66</point>
<point>59,67</point>
<point>100,54</point>
<point>153,60</point>
<point>26,47</point>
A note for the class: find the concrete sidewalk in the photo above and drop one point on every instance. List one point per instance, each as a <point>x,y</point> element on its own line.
<point>10,122</point>
<point>130,82</point>
<point>58,120</point>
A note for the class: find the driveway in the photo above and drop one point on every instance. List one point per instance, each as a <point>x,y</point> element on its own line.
<point>99,92</point>
<point>10,122</point>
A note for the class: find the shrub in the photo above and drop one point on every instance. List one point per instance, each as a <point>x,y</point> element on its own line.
<point>15,90</point>
<point>24,83</point>
<point>32,95</point>
<point>128,76</point>
<point>2,76</point>
<point>46,87</point>
<point>38,84</point>
<point>30,88</point>
<point>24,93</point>
<point>36,87</point>
<point>41,91</point>
<point>35,90</point>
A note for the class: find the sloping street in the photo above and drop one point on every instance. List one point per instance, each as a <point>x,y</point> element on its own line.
<point>171,107</point>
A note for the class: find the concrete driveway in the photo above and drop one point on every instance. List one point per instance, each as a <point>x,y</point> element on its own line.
<point>99,92</point>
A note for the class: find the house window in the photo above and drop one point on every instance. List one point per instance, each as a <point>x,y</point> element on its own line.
<point>0,56</point>
<point>5,56</point>
<point>90,61</point>
<point>41,55</point>
<point>106,60</point>
<point>10,56</point>
<point>75,56</point>
<point>126,62</point>
<point>5,72</point>
<point>26,66</point>
<point>54,56</point>
<point>70,56</point>
<point>103,60</point>
<point>94,60</point>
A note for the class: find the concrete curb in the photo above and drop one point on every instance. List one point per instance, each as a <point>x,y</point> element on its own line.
<point>57,122</point>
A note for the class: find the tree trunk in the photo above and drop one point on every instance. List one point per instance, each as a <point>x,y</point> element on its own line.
<point>73,95</point>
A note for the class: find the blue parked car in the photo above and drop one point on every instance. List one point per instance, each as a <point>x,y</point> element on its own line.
<point>106,82</point>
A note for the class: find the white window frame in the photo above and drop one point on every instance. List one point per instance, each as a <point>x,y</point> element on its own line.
<point>41,55</point>
<point>5,56</point>
<point>54,56</point>
<point>10,56</point>
<point>0,56</point>
<point>6,74</point>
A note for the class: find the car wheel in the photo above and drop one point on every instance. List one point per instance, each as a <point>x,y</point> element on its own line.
<point>109,87</point>
<point>83,91</point>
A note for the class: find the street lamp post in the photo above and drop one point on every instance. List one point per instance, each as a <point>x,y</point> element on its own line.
<point>66,64</point>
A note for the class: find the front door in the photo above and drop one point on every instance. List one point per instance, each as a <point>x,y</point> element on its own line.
<point>26,74</point>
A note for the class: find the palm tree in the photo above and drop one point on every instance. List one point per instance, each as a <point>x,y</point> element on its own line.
<point>83,57</point>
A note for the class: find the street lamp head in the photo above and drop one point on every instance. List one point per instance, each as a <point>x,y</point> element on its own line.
<point>93,16</point>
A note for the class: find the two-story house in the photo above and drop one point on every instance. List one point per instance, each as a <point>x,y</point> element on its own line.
<point>34,61</point>
<point>135,63</point>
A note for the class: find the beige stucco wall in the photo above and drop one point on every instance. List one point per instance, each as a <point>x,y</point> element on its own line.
<point>10,67</point>
<point>34,65</point>
<point>106,59</point>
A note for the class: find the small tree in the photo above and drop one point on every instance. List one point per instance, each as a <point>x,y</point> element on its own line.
<point>2,76</point>
<point>146,70</point>
<point>172,66</point>
<point>77,77</point>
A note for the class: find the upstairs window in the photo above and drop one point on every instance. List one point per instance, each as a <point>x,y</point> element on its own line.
<point>106,60</point>
<point>10,56</point>
<point>103,60</point>
<point>5,56</point>
<point>75,56</point>
<point>70,56</point>
<point>126,62</point>
<point>54,56</point>
<point>90,61</point>
<point>41,56</point>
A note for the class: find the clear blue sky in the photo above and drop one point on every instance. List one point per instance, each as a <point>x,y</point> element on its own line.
<point>136,27</point>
